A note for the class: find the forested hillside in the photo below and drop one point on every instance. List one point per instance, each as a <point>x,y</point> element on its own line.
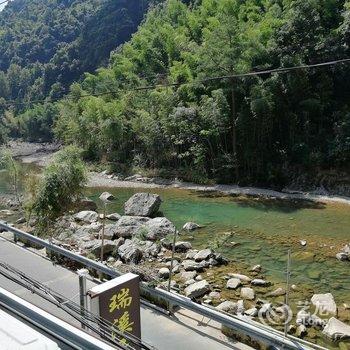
<point>253,130</point>
<point>45,45</point>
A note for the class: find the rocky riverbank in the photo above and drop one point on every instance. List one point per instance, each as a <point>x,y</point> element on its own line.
<point>139,240</point>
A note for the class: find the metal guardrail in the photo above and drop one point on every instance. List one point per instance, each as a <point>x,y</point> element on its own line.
<point>254,330</point>
<point>49,324</point>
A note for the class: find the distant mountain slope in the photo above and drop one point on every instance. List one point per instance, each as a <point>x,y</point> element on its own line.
<point>45,45</point>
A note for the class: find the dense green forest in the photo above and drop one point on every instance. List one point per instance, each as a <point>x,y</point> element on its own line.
<point>45,45</point>
<point>252,130</point>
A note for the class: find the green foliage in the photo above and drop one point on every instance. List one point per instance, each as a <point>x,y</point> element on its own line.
<point>13,168</point>
<point>62,183</point>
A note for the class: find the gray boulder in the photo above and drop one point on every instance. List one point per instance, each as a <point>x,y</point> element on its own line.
<point>106,196</point>
<point>336,330</point>
<point>164,273</point>
<point>110,232</point>
<point>142,204</point>
<point>197,289</point>
<point>158,228</point>
<point>233,283</point>
<point>325,303</point>
<point>182,247</point>
<point>191,226</point>
<point>188,275</point>
<point>243,278</point>
<point>129,226</point>
<point>113,217</point>
<point>228,306</point>
<point>247,293</point>
<point>130,252</point>
<point>94,247</point>
<point>259,282</point>
<point>190,265</point>
<point>204,254</point>
<point>86,204</point>
<point>87,216</point>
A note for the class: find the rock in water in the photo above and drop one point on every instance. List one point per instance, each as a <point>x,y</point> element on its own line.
<point>336,330</point>
<point>197,289</point>
<point>203,255</point>
<point>325,303</point>
<point>142,204</point>
<point>106,196</point>
<point>88,216</point>
<point>191,226</point>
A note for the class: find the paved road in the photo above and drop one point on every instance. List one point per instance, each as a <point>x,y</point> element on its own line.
<point>184,331</point>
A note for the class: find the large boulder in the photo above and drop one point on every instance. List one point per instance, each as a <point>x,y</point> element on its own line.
<point>128,226</point>
<point>325,303</point>
<point>158,228</point>
<point>94,247</point>
<point>142,204</point>
<point>336,330</point>
<point>129,252</point>
<point>87,216</point>
<point>197,289</point>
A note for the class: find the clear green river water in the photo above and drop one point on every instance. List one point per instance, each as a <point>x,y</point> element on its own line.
<point>263,232</point>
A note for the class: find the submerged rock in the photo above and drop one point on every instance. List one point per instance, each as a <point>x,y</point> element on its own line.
<point>142,204</point>
<point>191,226</point>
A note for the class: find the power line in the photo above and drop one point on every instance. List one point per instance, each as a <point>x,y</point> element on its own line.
<point>280,70</point>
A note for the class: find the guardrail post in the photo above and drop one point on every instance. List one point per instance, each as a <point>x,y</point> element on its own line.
<point>83,273</point>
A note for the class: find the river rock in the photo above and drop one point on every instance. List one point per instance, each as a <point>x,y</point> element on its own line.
<point>277,292</point>
<point>110,232</point>
<point>259,282</point>
<point>113,216</point>
<point>106,196</point>
<point>150,249</point>
<point>203,255</point>
<point>233,283</point>
<point>248,293</point>
<point>129,252</point>
<point>142,204</point>
<point>228,306</point>
<point>253,312</point>
<point>265,309</point>
<point>189,282</point>
<point>256,268</point>
<point>191,254</point>
<point>240,307</point>
<point>325,303</point>
<point>188,275</point>
<point>164,273</point>
<point>191,226</point>
<point>94,247</point>
<point>129,226</point>
<point>158,228</point>
<point>86,204</point>
<point>190,265</point>
<point>214,295</point>
<point>182,246</point>
<point>336,330</point>
<point>87,216</point>
<point>243,278</point>
<point>197,289</point>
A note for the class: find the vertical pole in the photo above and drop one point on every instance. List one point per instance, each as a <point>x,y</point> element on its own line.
<point>103,229</point>
<point>83,292</point>
<point>172,261</point>
<point>287,289</point>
